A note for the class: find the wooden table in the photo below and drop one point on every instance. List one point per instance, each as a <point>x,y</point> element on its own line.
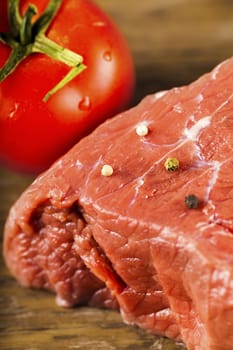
<point>173,42</point>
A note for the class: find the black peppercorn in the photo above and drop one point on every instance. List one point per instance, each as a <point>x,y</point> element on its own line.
<point>191,201</point>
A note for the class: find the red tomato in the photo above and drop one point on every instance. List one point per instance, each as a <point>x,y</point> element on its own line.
<point>34,133</point>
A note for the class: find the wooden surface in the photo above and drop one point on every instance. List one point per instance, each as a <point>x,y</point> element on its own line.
<point>172,42</point>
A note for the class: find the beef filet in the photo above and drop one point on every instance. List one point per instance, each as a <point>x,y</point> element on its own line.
<point>128,240</point>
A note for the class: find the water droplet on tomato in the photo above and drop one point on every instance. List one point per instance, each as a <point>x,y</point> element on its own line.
<point>13,111</point>
<point>99,24</point>
<point>85,103</point>
<point>107,56</point>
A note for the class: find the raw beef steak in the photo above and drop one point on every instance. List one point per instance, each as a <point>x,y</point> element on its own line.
<point>152,238</point>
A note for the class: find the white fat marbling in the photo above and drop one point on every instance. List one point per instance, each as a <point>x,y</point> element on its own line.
<point>178,108</point>
<point>160,94</point>
<point>216,167</point>
<point>199,98</point>
<point>216,70</point>
<point>79,164</point>
<point>194,131</point>
<point>139,184</point>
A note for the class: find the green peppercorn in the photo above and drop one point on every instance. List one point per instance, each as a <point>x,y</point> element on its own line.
<point>171,164</point>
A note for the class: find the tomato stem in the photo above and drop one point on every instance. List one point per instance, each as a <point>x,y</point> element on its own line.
<point>26,38</point>
<point>17,55</point>
<point>15,18</point>
<point>43,44</point>
<point>26,26</point>
<point>43,22</point>
<point>69,76</point>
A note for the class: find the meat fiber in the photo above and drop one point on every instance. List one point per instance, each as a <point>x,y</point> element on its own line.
<point>128,240</point>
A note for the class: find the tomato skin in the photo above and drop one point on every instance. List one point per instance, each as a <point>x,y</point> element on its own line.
<point>33,134</point>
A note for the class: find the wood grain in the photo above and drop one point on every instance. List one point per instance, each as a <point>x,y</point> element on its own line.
<point>172,42</point>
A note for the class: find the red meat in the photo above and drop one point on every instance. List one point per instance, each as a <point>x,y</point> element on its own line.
<point>128,240</point>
